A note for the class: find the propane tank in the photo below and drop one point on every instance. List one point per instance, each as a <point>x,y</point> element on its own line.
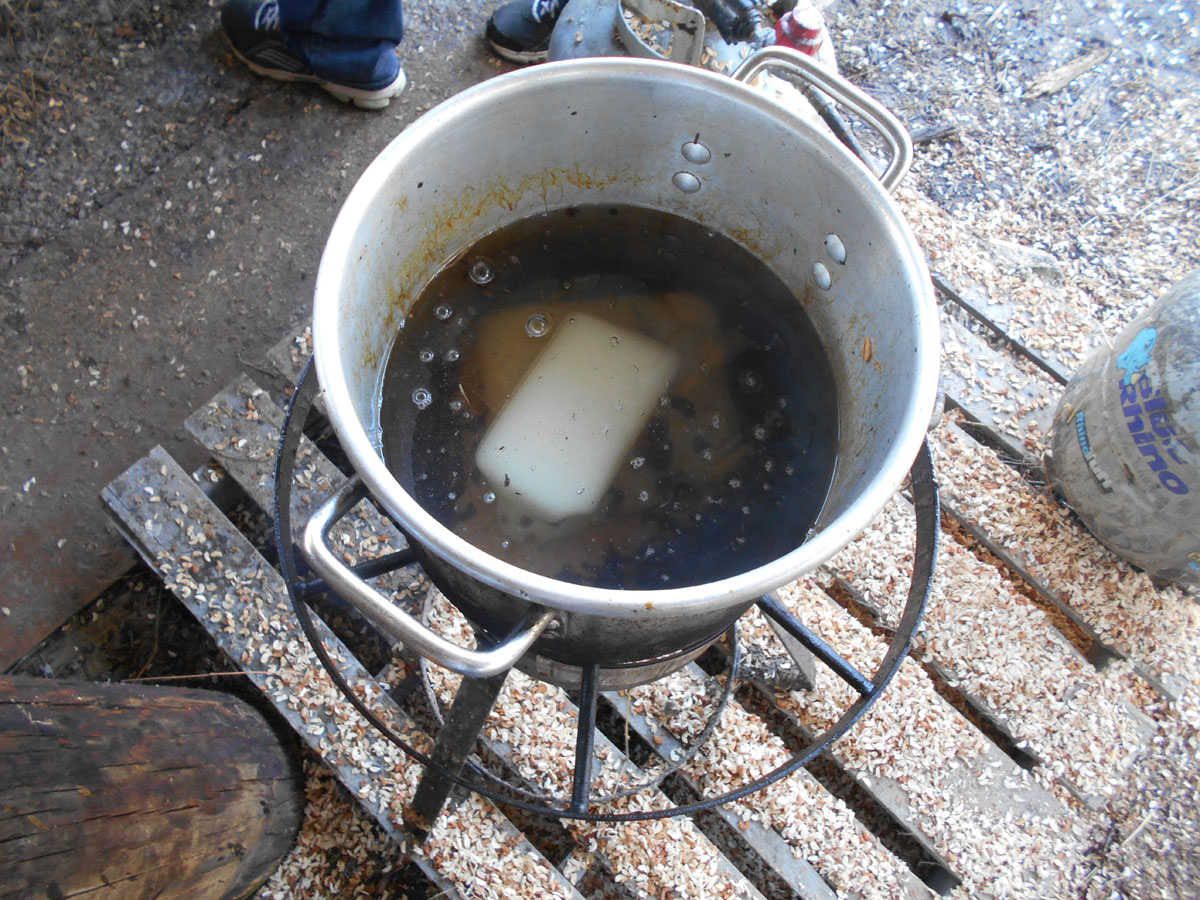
<point>1126,439</point>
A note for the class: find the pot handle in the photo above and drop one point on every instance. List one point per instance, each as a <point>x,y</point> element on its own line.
<point>390,618</point>
<point>864,106</point>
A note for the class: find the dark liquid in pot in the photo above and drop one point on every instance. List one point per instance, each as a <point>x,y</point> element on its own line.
<point>730,466</point>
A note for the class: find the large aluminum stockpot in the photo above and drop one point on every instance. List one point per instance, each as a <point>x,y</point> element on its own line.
<point>653,134</point>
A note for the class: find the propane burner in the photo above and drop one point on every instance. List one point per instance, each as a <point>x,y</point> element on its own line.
<point>712,34</point>
<point>461,722</point>
<point>870,290</point>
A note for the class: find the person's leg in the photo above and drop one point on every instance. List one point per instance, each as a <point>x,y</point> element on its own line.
<point>345,46</point>
<point>353,39</point>
<point>520,30</point>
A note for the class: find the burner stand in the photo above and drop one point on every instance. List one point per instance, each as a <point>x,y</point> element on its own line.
<point>450,764</point>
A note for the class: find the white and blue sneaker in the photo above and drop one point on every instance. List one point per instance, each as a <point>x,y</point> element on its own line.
<point>252,27</point>
<point>520,31</point>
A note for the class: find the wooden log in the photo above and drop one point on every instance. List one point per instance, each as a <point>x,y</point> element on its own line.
<point>121,791</point>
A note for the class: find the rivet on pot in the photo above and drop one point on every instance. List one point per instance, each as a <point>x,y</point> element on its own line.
<point>821,276</point>
<point>696,153</point>
<point>835,248</point>
<point>686,182</point>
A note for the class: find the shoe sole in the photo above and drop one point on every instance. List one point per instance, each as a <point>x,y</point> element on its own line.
<point>363,99</point>
<point>521,57</point>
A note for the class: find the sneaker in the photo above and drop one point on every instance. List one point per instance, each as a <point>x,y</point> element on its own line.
<point>520,31</point>
<point>252,27</point>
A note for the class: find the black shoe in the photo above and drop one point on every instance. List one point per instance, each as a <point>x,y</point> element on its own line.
<point>520,31</point>
<point>252,27</point>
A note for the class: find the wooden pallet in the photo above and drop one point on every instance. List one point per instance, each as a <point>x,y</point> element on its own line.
<point>963,778</point>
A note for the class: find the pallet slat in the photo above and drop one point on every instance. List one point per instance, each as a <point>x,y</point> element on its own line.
<point>826,834</point>
<point>986,817</point>
<point>1012,402</point>
<point>1012,290</point>
<point>243,603</point>
<point>1157,629</point>
<point>532,728</point>
<point>290,353</point>
<point>240,426</point>
<point>1007,658</point>
<point>998,317</point>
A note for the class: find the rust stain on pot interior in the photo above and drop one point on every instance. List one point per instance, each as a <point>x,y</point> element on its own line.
<point>445,228</point>
<point>590,181</point>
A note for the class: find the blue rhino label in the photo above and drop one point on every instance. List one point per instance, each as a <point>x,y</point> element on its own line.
<point>1147,418</point>
<point>1089,457</point>
<point>1137,355</point>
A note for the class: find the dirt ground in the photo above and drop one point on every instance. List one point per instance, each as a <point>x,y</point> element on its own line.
<point>162,212</point>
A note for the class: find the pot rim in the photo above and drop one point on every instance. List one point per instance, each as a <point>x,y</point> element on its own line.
<point>553,593</point>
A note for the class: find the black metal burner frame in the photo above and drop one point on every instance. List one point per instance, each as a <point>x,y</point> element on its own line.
<point>449,765</point>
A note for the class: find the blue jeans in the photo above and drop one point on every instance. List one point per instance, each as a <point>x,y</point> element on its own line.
<point>351,42</point>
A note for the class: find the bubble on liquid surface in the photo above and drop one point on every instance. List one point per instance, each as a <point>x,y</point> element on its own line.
<point>760,432</point>
<point>644,496</point>
<point>422,397</point>
<point>456,404</point>
<point>426,355</point>
<point>481,272</point>
<point>707,454</point>
<point>715,422</point>
<point>537,326</point>
<point>637,462</point>
<point>735,483</point>
<point>750,380</point>
<point>452,356</point>
<point>489,497</point>
<point>443,312</point>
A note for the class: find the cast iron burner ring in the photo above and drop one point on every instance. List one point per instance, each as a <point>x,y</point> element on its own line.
<point>450,765</point>
<point>655,776</point>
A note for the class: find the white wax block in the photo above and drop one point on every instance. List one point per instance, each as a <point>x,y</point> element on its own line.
<point>556,445</point>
